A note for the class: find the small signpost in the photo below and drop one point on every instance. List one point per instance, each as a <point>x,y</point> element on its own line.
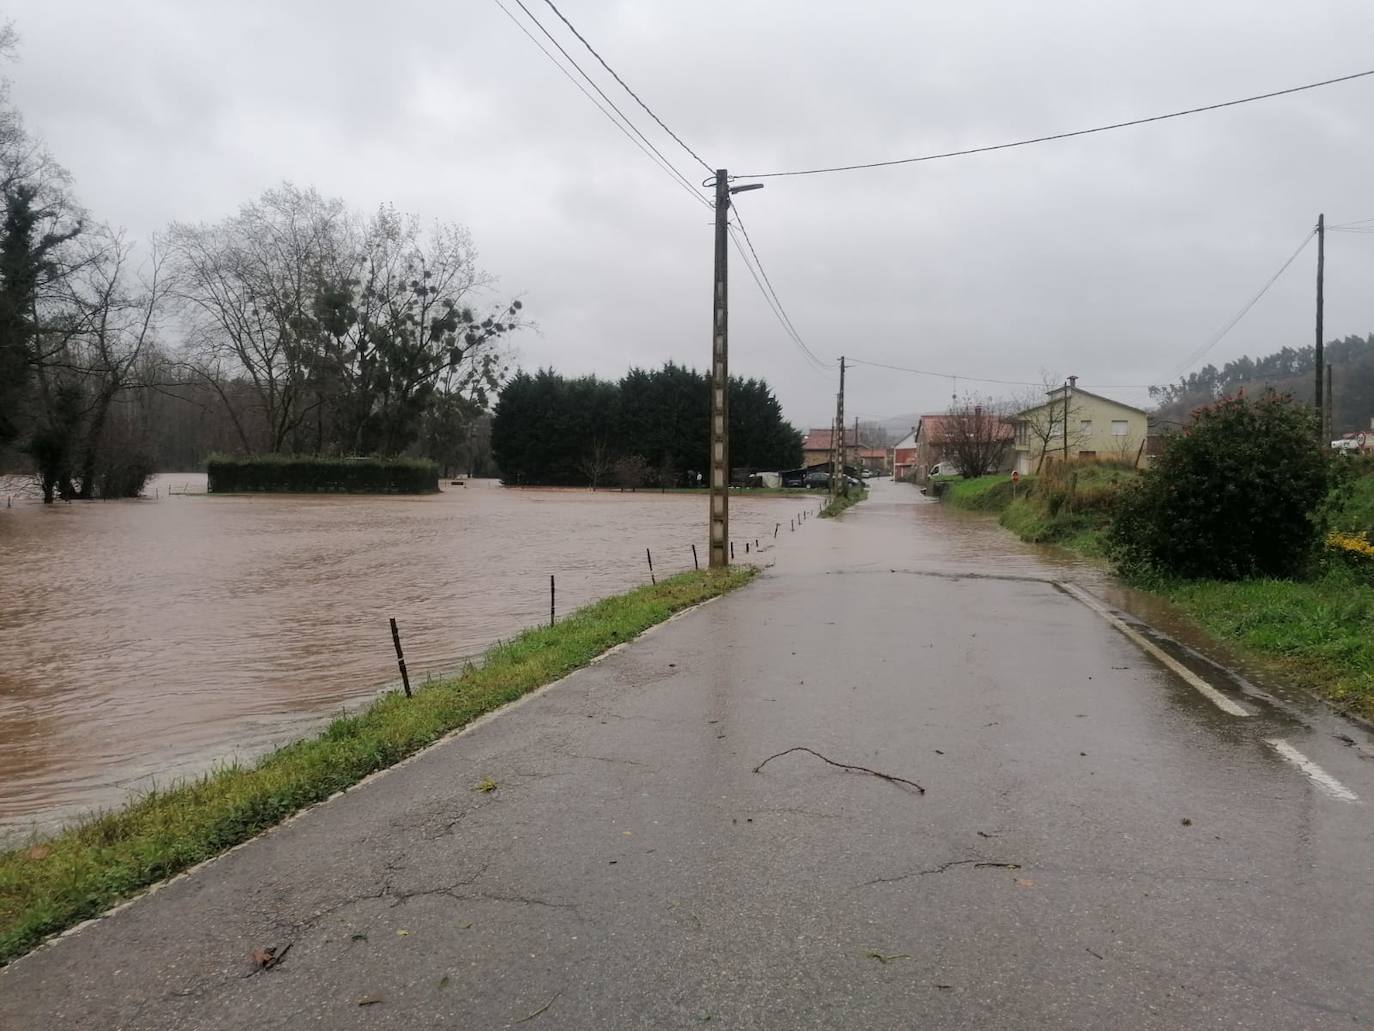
<point>1015,479</point>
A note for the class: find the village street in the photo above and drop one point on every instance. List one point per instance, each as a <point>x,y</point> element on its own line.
<point>1100,843</point>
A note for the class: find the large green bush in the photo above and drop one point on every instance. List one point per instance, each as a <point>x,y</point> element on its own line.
<point>1240,493</point>
<point>291,474</point>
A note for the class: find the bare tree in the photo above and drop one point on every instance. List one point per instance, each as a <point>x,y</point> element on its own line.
<point>1049,426</point>
<point>596,463</point>
<point>247,287</point>
<point>347,328</point>
<point>630,471</point>
<point>978,434</point>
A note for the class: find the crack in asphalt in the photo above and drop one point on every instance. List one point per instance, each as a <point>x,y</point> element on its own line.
<point>977,864</point>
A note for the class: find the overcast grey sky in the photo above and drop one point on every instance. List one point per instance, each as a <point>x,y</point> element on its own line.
<point>1112,256</point>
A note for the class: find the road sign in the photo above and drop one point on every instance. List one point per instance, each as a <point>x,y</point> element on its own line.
<point>1015,475</point>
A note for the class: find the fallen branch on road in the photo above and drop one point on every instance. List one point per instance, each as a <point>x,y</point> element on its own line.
<point>893,778</point>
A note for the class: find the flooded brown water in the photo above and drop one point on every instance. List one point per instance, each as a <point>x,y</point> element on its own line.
<point>145,640</point>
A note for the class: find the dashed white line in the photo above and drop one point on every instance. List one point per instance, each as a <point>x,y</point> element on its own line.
<point>1183,672</point>
<point>1315,773</point>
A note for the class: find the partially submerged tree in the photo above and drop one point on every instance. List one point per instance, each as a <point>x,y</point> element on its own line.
<point>348,329</point>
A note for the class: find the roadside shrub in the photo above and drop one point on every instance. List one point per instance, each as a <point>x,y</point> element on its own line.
<point>1240,493</point>
<point>293,474</point>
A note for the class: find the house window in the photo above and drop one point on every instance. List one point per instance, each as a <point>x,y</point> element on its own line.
<point>1086,425</point>
<point>1119,428</point>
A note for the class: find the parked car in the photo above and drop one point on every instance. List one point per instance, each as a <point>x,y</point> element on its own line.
<point>817,478</point>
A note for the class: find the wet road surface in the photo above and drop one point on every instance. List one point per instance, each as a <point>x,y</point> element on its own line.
<point>1099,843</point>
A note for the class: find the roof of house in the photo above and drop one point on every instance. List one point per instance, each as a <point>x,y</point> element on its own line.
<point>1058,392</point>
<point>937,429</point>
<point>823,439</point>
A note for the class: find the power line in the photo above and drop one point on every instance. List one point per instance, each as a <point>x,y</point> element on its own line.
<point>677,178</point>
<point>602,93</point>
<point>1216,338</point>
<point>988,379</point>
<point>572,28</point>
<point>944,375</point>
<point>816,365</point>
<point>1056,136</point>
<point>786,319</point>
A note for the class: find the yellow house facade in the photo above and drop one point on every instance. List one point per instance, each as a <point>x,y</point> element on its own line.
<point>1079,425</point>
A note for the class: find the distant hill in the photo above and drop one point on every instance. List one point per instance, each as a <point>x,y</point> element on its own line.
<point>1290,371</point>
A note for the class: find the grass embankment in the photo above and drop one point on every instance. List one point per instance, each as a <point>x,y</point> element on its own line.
<point>1068,507</point>
<point>1316,630</point>
<point>844,501</point>
<point>81,872</point>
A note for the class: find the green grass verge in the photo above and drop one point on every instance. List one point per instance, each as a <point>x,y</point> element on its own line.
<point>844,501</point>
<point>1357,513</point>
<point>990,493</point>
<point>84,870</point>
<point>1318,630</point>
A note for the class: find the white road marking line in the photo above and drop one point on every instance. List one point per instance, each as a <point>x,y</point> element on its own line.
<point>1315,773</point>
<point>1188,676</point>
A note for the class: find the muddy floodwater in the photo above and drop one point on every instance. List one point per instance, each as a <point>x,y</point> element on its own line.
<point>146,640</point>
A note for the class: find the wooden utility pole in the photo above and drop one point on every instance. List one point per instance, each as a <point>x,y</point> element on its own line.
<point>1318,358</point>
<point>720,387</point>
<point>837,470</point>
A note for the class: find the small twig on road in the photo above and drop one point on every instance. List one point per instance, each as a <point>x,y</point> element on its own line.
<point>540,1010</point>
<point>892,778</point>
<point>875,954</point>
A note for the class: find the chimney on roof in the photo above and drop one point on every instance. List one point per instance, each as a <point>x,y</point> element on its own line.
<point>1073,382</point>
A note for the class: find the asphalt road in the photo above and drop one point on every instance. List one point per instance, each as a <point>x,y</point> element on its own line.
<point>1099,844</point>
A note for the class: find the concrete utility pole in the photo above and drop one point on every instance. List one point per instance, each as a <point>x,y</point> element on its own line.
<point>720,378</point>
<point>1330,409</point>
<point>1318,358</point>
<point>1068,389</point>
<point>720,387</point>
<point>837,439</point>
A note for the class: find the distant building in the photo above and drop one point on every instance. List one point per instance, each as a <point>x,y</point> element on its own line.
<point>817,450</point>
<point>904,456</point>
<point>933,436</point>
<point>1079,425</point>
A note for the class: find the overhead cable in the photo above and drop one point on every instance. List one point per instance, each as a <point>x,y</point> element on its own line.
<point>1217,337</point>
<point>573,28</point>
<point>1055,136</point>
<point>602,93</point>
<point>785,318</point>
<point>676,177</point>
<point>815,364</point>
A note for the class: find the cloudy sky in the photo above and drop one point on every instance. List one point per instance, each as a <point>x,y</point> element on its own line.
<point>1114,256</point>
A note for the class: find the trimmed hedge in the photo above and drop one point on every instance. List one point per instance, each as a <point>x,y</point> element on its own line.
<point>291,474</point>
